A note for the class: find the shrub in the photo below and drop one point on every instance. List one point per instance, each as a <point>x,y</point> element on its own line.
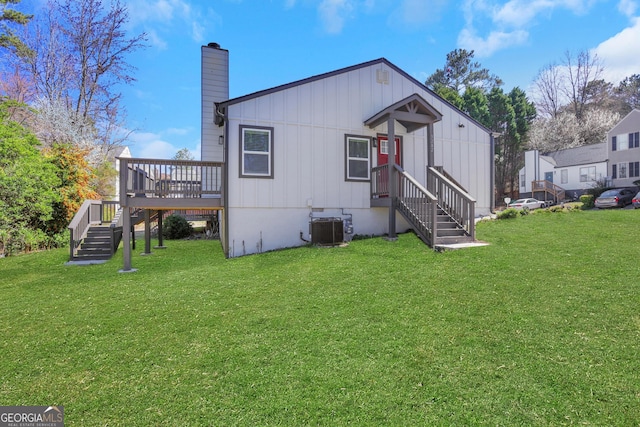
<point>507,214</point>
<point>176,227</point>
<point>587,201</point>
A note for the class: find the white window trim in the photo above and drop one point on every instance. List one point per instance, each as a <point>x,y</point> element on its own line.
<point>623,168</point>
<point>588,176</point>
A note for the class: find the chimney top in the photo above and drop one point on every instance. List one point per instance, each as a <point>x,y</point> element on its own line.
<point>214,45</point>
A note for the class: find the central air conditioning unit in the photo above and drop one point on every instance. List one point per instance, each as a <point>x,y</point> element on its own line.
<point>327,231</point>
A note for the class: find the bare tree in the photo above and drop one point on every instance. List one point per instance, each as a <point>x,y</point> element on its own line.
<point>80,59</point>
<point>581,69</point>
<point>576,107</point>
<point>547,87</point>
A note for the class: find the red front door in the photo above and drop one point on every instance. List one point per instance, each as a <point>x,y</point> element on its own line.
<point>383,150</point>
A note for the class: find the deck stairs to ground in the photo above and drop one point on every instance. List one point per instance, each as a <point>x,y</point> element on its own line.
<point>442,213</point>
<point>101,239</point>
<point>97,244</point>
<point>448,230</point>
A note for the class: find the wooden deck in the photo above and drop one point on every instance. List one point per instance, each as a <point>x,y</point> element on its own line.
<point>170,184</point>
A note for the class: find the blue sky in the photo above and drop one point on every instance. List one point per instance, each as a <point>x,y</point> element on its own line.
<point>272,42</point>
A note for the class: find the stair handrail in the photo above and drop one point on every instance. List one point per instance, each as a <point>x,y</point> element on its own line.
<point>418,206</point>
<point>116,227</point>
<point>548,187</point>
<point>453,200</point>
<point>90,212</point>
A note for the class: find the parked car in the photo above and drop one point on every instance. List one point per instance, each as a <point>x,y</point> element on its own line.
<point>616,198</point>
<point>527,204</point>
<point>636,201</point>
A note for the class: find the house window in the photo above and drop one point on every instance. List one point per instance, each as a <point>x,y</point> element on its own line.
<point>564,176</point>
<point>588,174</point>
<point>614,143</point>
<point>622,170</point>
<point>634,140</point>
<point>256,152</point>
<point>622,141</point>
<point>358,163</point>
<point>634,169</point>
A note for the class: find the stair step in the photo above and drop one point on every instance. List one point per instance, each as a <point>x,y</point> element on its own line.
<point>450,240</point>
<point>91,257</point>
<point>451,232</point>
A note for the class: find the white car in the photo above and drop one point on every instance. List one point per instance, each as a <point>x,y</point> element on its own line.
<point>527,204</point>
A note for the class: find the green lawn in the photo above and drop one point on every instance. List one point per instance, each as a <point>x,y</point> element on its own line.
<point>542,327</point>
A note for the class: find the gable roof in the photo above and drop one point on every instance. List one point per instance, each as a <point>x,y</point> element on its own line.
<point>629,116</point>
<point>347,70</point>
<point>413,113</point>
<point>593,153</point>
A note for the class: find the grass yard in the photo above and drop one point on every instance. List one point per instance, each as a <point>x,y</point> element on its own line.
<point>542,327</point>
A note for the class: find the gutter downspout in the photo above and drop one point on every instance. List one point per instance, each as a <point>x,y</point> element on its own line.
<point>492,173</point>
<point>225,181</point>
<point>393,188</point>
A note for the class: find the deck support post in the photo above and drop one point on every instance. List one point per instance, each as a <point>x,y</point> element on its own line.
<point>147,232</point>
<point>393,187</point>
<point>160,242</point>
<point>126,237</point>
<point>430,146</point>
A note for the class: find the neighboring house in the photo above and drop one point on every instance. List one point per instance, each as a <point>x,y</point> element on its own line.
<point>119,152</point>
<point>615,163</point>
<point>624,150</point>
<point>278,162</point>
<point>574,170</point>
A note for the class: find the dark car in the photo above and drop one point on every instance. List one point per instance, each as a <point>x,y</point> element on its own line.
<point>636,201</point>
<point>616,198</point>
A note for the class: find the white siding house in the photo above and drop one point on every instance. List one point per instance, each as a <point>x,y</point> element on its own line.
<point>575,169</point>
<point>304,150</point>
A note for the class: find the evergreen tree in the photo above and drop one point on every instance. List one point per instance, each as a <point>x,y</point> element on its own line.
<point>8,19</point>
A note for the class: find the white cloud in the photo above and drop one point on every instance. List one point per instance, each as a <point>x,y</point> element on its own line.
<point>155,40</point>
<point>414,12</point>
<point>508,24</point>
<point>496,40</point>
<point>159,17</point>
<point>628,7</point>
<point>621,53</point>
<point>333,14</point>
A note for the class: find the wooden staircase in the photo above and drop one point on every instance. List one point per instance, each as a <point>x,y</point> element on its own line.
<point>95,231</point>
<point>449,232</point>
<point>97,244</point>
<point>441,214</point>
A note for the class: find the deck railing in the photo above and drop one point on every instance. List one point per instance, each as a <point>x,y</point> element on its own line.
<point>380,181</point>
<point>459,205</point>
<point>418,206</point>
<point>548,187</point>
<point>94,212</point>
<point>169,178</point>
<point>413,201</point>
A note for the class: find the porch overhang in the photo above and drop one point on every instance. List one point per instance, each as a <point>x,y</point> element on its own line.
<point>413,112</point>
